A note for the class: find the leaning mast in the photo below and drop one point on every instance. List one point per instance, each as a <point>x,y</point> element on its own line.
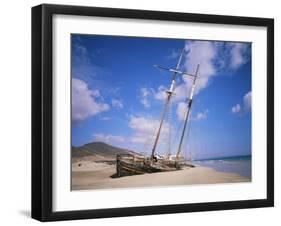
<point>188,110</point>
<point>169,95</point>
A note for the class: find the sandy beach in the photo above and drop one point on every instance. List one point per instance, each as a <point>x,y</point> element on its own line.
<point>88,174</point>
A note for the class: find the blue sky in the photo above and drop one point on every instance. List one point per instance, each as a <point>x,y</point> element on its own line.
<point>117,94</point>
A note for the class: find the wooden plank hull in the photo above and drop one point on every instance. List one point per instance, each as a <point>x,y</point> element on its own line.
<point>127,165</point>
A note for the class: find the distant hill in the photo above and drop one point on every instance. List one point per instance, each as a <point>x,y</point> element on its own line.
<point>99,150</point>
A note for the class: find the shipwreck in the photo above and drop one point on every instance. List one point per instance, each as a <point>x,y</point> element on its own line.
<point>134,164</point>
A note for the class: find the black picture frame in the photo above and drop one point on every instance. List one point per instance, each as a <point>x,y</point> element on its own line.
<point>42,107</point>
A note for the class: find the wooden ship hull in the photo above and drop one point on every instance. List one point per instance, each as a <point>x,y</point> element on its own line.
<point>129,164</point>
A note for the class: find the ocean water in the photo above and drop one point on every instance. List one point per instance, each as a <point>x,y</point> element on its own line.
<point>241,165</point>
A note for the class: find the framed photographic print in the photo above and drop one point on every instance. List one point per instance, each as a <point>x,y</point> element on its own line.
<point>146,112</point>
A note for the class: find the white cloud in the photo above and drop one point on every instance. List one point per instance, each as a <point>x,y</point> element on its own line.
<point>117,103</point>
<point>181,110</point>
<point>247,100</point>
<point>173,54</point>
<point>181,93</point>
<point>236,108</point>
<point>196,52</point>
<point>144,97</point>
<point>237,55</point>
<point>160,94</point>
<point>84,101</point>
<point>140,138</point>
<point>201,115</point>
<point>247,104</point>
<point>145,92</point>
<point>203,53</point>
<point>108,138</point>
<point>142,124</point>
<point>213,57</point>
<point>144,129</point>
<point>145,103</point>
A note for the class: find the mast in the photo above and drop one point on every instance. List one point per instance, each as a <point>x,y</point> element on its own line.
<point>169,94</point>
<point>188,110</point>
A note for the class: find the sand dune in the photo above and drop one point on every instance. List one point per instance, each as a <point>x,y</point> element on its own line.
<point>88,174</point>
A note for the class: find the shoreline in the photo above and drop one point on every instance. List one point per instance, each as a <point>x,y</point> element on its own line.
<point>92,175</point>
